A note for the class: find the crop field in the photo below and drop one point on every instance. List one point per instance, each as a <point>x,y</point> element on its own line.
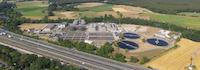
<point>179,58</point>
<point>190,14</point>
<point>36,10</point>
<point>162,6</point>
<point>101,8</point>
<point>142,13</point>
<point>32,9</point>
<point>185,21</point>
<point>65,14</point>
<point>137,12</point>
<point>90,4</point>
<point>27,26</point>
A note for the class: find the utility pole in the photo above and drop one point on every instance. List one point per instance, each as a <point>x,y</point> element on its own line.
<point>192,66</point>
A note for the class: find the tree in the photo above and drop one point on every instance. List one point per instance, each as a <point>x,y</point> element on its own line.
<point>52,7</point>
<point>26,60</point>
<point>134,59</point>
<point>119,57</point>
<point>144,60</point>
<point>105,50</point>
<point>45,19</point>
<point>15,56</point>
<point>120,16</point>
<point>1,23</point>
<point>17,61</point>
<point>85,47</point>
<point>50,13</point>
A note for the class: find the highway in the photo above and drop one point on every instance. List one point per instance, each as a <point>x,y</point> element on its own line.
<point>89,61</point>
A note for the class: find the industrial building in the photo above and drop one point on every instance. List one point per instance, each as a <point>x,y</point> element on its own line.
<point>78,24</point>
<point>49,27</point>
<point>103,27</point>
<point>98,33</point>
<point>77,36</point>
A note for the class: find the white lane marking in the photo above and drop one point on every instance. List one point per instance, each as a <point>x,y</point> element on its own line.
<point>69,58</point>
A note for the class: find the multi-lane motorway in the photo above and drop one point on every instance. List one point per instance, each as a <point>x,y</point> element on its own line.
<point>81,59</point>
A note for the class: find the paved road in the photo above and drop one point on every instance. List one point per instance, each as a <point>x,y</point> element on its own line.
<point>82,59</point>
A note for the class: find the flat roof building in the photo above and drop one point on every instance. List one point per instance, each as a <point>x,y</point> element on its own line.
<point>78,24</point>
<point>77,36</point>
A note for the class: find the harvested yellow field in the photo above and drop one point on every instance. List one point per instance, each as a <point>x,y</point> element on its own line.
<point>91,4</point>
<point>108,13</point>
<point>127,11</point>
<point>27,26</point>
<point>132,12</point>
<point>69,14</point>
<point>120,10</point>
<point>197,62</point>
<point>65,14</point>
<point>179,59</point>
<point>131,9</point>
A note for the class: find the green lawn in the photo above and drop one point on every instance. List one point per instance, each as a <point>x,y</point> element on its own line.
<point>105,7</point>
<point>185,21</point>
<point>32,8</point>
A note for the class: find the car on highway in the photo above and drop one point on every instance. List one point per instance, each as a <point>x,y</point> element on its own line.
<point>2,33</point>
<point>9,36</point>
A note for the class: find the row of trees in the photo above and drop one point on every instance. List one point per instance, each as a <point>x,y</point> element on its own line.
<point>71,1</point>
<point>66,7</point>
<point>162,6</point>
<point>105,51</point>
<point>169,7</point>
<point>18,61</point>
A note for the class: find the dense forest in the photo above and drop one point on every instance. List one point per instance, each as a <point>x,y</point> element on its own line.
<point>161,6</point>
<point>17,61</point>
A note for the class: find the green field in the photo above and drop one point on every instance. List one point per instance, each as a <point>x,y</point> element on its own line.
<point>32,8</point>
<point>88,14</point>
<point>185,21</point>
<point>190,14</point>
<point>105,7</point>
<point>92,11</point>
<point>35,8</point>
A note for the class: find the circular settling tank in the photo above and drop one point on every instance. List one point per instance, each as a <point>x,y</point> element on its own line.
<point>157,42</point>
<point>131,35</point>
<point>128,45</point>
